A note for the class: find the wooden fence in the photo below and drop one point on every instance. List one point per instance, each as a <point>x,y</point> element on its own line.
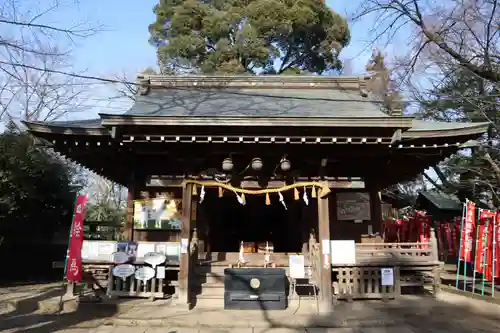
<point>131,287</point>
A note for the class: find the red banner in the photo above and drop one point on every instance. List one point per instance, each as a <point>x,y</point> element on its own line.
<point>468,232</point>
<point>74,262</point>
<point>497,245</point>
<point>484,246</point>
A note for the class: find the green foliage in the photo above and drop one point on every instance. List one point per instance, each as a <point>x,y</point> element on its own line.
<point>464,97</point>
<point>35,193</point>
<point>105,211</point>
<point>246,36</point>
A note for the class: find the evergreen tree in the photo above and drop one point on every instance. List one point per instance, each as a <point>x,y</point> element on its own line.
<point>35,193</point>
<point>247,37</point>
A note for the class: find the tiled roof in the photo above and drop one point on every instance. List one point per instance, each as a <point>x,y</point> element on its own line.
<point>86,123</point>
<point>255,103</point>
<point>428,125</point>
<point>442,200</point>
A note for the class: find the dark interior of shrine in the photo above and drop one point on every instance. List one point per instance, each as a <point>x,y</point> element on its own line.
<point>229,223</point>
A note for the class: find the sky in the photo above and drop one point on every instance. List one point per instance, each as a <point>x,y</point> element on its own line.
<point>121,47</point>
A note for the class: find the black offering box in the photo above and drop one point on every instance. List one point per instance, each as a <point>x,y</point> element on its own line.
<point>255,289</point>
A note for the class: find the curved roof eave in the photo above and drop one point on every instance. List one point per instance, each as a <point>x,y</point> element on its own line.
<point>83,127</point>
<point>426,130</point>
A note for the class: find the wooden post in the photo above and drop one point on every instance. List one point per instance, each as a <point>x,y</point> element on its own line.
<point>325,283</point>
<point>128,233</point>
<point>375,210</point>
<point>184,267</point>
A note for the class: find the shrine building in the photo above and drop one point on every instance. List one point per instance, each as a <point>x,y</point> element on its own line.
<point>256,159</point>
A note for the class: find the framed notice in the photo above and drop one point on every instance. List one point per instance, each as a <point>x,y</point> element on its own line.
<point>160,213</point>
<point>353,206</point>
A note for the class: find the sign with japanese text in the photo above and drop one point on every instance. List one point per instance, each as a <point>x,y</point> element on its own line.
<point>468,232</point>
<point>496,246</point>
<point>484,248</point>
<point>74,262</point>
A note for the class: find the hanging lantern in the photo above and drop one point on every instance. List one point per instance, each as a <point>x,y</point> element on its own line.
<point>313,192</point>
<point>227,164</point>
<point>285,164</point>
<point>256,164</point>
<point>195,190</point>
<point>296,194</point>
<point>268,200</point>
<point>221,192</point>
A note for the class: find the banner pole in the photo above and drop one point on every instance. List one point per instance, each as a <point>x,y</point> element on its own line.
<point>485,253</point>
<point>494,259</point>
<point>478,225</point>
<point>75,202</point>
<point>464,213</point>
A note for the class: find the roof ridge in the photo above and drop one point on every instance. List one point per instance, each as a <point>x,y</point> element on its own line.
<point>148,81</point>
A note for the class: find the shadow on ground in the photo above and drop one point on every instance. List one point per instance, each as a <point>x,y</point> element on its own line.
<point>408,315</point>
<point>418,314</point>
<point>48,312</point>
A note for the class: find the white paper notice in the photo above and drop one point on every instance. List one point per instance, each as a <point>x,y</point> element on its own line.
<point>106,248</point>
<point>343,252</point>
<point>387,276</point>
<point>184,245</point>
<point>93,250</point>
<point>143,248</point>
<point>297,270</point>
<point>172,249</point>
<point>161,248</point>
<point>85,250</point>
<point>160,272</point>
<point>325,246</point>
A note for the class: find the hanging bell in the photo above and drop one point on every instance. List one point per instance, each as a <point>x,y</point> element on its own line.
<point>221,192</point>
<point>243,197</point>
<point>296,194</point>
<point>195,190</point>
<point>313,192</point>
<point>268,200</point>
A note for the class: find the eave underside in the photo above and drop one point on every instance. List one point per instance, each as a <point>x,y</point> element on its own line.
<point>377,162</point>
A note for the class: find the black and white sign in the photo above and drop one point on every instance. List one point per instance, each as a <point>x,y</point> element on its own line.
<point>387,276</point>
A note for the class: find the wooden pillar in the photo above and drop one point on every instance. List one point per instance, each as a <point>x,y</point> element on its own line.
<point>129,224</point>
<point>375,210</point>
<point>325,283</point>
<point>184,267</point>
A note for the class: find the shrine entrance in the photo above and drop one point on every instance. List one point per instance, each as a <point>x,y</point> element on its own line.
<point>228,222</point>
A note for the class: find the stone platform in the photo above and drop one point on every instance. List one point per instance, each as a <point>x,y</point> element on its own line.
<point>449,313</point>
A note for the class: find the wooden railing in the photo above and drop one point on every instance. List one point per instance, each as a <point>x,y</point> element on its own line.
<point>395,253</point>
<point>362,282</point>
